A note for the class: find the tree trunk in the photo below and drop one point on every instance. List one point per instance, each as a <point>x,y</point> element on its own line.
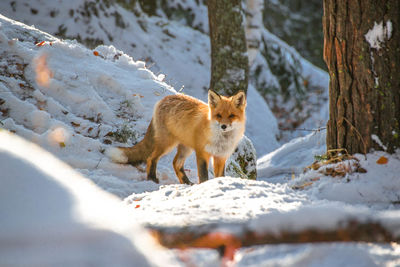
<point>254,24</point>
<point>229,61</point>
<point>362,52</point>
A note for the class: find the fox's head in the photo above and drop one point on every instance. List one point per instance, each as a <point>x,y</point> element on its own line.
<point>227,113</point>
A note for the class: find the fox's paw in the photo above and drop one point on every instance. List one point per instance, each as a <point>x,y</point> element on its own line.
<point>116,155</point>
<point>187,181</point>
<point>154,179</point>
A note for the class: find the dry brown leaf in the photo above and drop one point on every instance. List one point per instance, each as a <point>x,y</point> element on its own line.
<point>382,160</point>
<point>41,43</point>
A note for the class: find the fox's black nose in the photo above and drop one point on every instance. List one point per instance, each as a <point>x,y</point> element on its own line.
<point>223,126</point>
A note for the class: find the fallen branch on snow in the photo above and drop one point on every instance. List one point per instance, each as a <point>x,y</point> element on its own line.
<point>230,237</point>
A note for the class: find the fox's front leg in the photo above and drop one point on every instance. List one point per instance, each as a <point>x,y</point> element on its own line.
<point>219,166</point>
<point>202,165</point>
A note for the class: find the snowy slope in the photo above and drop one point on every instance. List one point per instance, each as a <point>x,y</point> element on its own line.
<point>90,100</point>
<point>179,52</point>
<point>292,157</point>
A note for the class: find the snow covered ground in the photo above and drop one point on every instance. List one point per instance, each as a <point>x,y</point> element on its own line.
<point>52,216</point>
<point>75,102</point>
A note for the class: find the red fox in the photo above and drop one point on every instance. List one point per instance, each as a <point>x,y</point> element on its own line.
<point>212,130</point>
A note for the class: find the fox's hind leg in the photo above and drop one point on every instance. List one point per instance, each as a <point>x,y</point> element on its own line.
<point>182,153</point>
<point>160,149</point>
<point>151,167</point>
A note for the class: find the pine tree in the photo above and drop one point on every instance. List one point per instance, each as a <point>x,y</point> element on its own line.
<point>362,52</point>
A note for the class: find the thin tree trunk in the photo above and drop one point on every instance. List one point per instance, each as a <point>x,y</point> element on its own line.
<point>362,52</point>
<point>254,24</point>
<point>229,61</point>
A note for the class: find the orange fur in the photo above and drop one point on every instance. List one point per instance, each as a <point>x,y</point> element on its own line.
<point>212,130</point>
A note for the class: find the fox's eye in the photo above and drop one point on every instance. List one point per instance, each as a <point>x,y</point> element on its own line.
<point>232,116</point>
<point>219,116</point>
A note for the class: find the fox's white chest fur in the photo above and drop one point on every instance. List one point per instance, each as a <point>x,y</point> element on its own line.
<point>223,143</point>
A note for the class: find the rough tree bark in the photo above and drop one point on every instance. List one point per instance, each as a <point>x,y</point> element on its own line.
<point>362,52</point>
<point>229,61</point>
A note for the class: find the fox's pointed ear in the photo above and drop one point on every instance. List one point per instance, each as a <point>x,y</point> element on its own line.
<point>213,98</point>
<point>239,100</point>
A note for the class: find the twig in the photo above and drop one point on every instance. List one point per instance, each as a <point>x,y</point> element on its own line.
<point>303,129</point>
<point>151,65</point>
<point>359,135</point>
<point>98,163</point>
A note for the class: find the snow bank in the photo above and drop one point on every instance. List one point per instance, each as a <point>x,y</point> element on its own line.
<point>379,187</point>
<point>93,98</point>
<point>50,215</point>
<point>217,200</point>
<point>265,207</point>
<point>292,157</point>
<point>333,254</point>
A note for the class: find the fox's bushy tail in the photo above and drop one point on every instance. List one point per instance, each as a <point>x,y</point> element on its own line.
<point>136,154</point>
